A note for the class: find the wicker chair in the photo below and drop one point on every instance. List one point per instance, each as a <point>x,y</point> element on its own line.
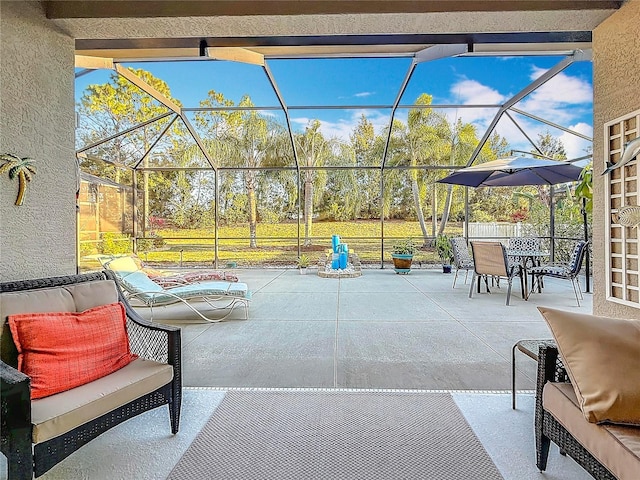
<point>490,260</point>
<point>149,341</point>
<point>568,271</point>
<point>548,429</point>
<point>462,259</point>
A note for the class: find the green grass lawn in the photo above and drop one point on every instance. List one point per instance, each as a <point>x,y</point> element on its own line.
<point>278,243</point>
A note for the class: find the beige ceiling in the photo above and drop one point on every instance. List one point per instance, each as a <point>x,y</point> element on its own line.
<point>169,29</point>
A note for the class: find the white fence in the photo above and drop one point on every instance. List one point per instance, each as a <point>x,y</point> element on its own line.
<point>496,230</point>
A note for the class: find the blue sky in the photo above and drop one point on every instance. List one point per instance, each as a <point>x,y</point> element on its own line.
<point>565,100</point>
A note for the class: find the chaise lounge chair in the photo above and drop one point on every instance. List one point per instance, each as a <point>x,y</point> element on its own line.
<point>218,295</point>
<point>126,264</point>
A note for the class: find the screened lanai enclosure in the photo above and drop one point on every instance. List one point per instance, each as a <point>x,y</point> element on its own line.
<point>252,156</point>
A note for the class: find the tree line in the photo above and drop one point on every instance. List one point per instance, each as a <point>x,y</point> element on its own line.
<point>258,182</point>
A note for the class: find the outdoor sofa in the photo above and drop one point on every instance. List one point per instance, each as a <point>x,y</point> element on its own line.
<point>588,394</point>
<point>40,428</point>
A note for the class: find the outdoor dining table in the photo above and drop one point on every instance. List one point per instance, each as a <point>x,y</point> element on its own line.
<point>527,256</point>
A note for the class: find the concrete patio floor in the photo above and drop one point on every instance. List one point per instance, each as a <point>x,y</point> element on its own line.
<point>379,331</point>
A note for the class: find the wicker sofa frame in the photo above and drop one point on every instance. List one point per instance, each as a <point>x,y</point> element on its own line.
<point>151,341</point>
<point>548,429</point>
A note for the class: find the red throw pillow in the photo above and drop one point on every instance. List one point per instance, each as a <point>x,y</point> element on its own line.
<point>64,350</point>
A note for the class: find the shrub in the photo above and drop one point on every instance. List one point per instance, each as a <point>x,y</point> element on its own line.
<point>405,247</point>
<point>443,248</point>
<point>115,243</point>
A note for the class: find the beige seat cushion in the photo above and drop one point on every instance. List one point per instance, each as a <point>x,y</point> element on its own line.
<point>602,357</point>
<point>615,446</point>
<point>60,413</point>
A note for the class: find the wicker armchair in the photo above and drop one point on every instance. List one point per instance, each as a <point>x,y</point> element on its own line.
<point>149,341</point>
<point>548,429</point>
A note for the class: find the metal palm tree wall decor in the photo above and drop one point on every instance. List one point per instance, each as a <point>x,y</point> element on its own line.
<point>20,168</point>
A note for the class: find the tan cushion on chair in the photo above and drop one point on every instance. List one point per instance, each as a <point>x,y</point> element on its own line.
<point>60,413</point>
<point>35,301</point>
<point>88,295</point>
<point>615,446</point>
<point>602,357</point>
<point>122,265</point>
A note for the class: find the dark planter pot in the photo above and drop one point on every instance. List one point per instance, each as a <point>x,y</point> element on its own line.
<point>402,262</point>
<point>446,268</point>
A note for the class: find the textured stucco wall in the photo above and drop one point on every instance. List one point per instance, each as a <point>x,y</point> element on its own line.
<point>272,25</point>
<point>37,120</point>
<point>616,72</point>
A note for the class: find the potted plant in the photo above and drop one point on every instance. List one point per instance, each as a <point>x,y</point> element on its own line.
<point>303,263</point>
<point>402,255</point>
<point>444,251</point>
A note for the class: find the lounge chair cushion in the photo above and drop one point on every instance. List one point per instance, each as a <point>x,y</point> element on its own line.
<point>601,357</point>
<point>139,282</point>
<point>203,289</point>
<point>62,350</point>
<point>61,413</point>
<point>129,264</point>
<point>122,265</point>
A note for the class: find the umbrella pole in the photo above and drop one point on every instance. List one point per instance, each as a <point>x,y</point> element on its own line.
<point>466,214</point>
<point>552,223</point>
<point>587,282</point>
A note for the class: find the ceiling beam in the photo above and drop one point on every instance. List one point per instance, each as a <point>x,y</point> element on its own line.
<point>336,40</point>
<point>56,9</point>
<point>144,86</point>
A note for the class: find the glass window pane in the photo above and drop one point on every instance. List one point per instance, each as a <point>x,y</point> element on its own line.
<point>340,136</point>
<point>192,81</point>
<point>245,138</point>
<point>475,80</point>
<point>339,81</point>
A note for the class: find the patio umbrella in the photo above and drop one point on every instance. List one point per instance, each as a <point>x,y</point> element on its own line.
<point>515,171</point>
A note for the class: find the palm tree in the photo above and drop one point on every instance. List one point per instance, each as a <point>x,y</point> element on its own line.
<point>423,141</point>
<point>256,140</point>
<point>313,150</point>
<point>460,141</point>
<point>22,168</point>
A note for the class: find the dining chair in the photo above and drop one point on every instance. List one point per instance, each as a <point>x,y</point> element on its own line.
<point>567,271</point>
<point>490,260</point>
<point>462,259</point>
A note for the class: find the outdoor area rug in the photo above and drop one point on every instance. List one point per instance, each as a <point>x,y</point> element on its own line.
<point>302,434</point>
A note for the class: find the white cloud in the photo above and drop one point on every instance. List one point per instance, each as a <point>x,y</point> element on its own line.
<point>561,100</point>
<point>576,146</point>
<point>342,128</point>
<point>470,92</point>
<point>364,94</point>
